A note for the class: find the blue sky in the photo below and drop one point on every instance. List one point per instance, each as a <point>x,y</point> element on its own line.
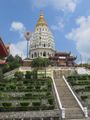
<point>69,21</point>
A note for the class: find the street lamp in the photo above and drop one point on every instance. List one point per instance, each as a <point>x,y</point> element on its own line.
<point>27,36</point>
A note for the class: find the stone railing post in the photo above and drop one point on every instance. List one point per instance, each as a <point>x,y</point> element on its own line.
<point>86,112</point>
<point>63,112</point>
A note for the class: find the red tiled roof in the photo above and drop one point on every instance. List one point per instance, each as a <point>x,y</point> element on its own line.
<point>61,54</point>
<point>2,62</point>
<point>3,50</point>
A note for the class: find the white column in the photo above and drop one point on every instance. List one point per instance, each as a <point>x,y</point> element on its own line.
<point>41,118</point>
<point>86,112</point>
<point>51,118</point>
<point>63,112</point>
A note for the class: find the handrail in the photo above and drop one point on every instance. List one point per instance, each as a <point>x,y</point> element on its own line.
<point>84,109</point>
<point>58,98</point>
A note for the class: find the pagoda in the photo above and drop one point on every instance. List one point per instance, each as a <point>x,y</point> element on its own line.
<point>42,45</point>
<point>42,41</point>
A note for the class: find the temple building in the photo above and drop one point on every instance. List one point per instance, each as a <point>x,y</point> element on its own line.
<point>42,45</point>
<point>4,52</point>
<point>42,41</point>
<point>62,59</point>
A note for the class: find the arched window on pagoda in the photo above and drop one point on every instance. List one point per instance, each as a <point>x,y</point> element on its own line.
<point>44,45</point>
<point>35,54</point>
<point>32,55</point>
<point>44,54</point>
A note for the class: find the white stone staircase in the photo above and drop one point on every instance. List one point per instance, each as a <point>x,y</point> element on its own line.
<point>72,108</point>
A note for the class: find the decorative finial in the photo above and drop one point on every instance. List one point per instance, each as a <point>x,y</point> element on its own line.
<point>41,20</point>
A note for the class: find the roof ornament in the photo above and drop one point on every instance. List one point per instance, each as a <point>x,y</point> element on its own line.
<point>41,21</point>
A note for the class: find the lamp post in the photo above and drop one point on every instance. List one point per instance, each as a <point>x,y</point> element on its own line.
<point>27,37</point>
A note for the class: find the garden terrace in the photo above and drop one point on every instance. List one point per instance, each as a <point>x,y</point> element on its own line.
<point>23,93</point>
<point>81,86</point>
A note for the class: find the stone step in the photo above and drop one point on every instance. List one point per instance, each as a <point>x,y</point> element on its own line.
<point>74,113</point>
<point>72,109</point>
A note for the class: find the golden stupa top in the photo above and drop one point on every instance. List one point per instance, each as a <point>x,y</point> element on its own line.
<point>41,21</point>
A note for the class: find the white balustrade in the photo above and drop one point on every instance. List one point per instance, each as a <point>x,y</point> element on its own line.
<point>58,98</point>
<point>84,109</point>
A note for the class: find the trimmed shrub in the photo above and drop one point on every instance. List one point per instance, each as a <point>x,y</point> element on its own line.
<point>38,103</point>
<point>50,101</point>
<point>84,97</point>
<point>24,104</point>
<point>19,75</point>
<point>6,104</point>
<point>28,75</point>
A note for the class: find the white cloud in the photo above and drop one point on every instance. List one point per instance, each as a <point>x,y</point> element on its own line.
<point>81,35</point>
<point>18,27</point>
<point>64,5</point>
<point>60,26</point>
<point>19,48</point>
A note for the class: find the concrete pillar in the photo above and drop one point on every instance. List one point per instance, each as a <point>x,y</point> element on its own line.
<point>86,112</point>
<point>51,118</point>
<point>63,113</point>
<point>41,118</point>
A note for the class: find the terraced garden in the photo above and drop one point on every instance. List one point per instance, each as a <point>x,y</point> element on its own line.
<point>26,93</point>
<point>81,86</point>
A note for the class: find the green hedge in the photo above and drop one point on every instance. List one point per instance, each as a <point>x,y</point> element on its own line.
<point>38,103</point>
<point>84,97</point>
<point>24,104</point>
<point>7,104</point>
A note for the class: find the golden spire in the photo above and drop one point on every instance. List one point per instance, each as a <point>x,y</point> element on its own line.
<point>41,21</point>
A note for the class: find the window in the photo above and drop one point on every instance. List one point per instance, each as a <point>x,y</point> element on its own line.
<point>35,54</point>
<point>44,45</point>
<point>32,55</point>
<point>44,54</point>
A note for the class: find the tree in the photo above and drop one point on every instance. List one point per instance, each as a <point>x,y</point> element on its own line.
<point>46,62</point>
<point>1,75</point>
<point>6,68</point>
<point>12,63</point>
<point>28,75</point>
<point>19,75</point>
<point>10,58</point>
<point>18,59</point>
<point>40,62</point>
